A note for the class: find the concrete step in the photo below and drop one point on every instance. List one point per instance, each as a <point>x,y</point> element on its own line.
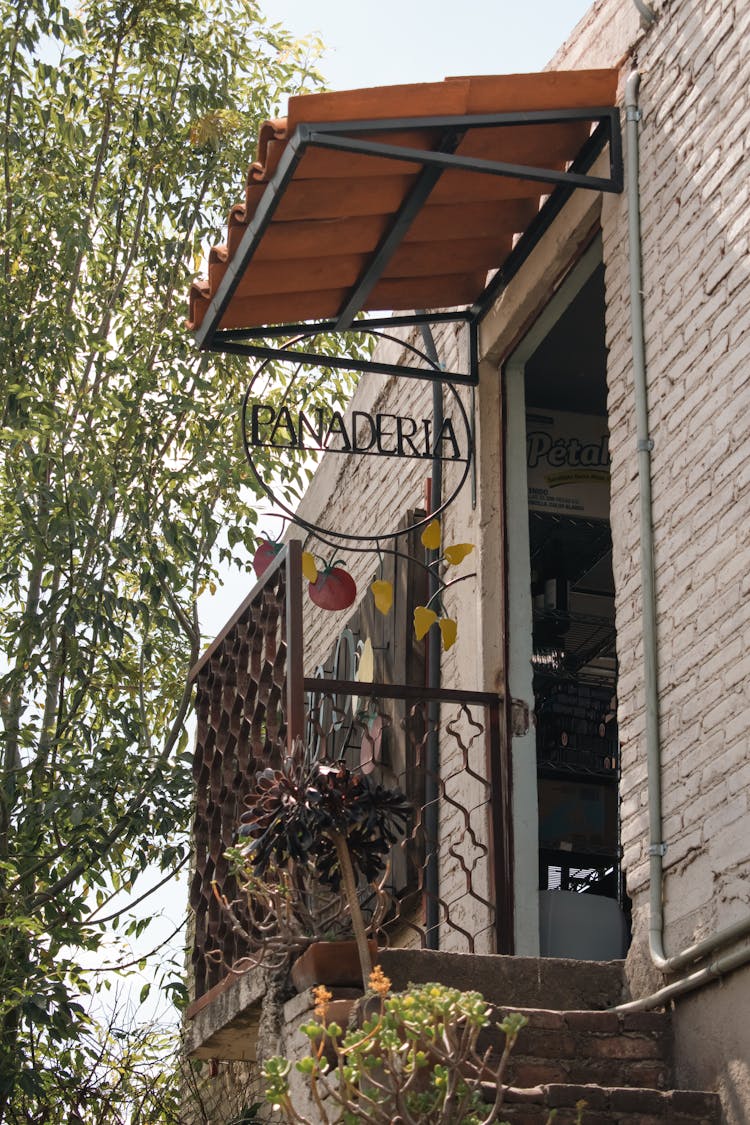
<point>518,982</point>
<point>607,1105</point>
<point>574,1050</point>
<point>609,1048</point>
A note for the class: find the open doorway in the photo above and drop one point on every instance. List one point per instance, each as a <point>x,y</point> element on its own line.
<point>563,584</point>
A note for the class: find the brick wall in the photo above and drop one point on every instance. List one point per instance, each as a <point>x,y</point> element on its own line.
<point>369,495</point>
<point>695,67</point>
<point>696,111</point>
<point>361,494</point>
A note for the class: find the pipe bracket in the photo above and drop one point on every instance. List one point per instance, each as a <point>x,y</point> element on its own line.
<point>632,113</point>
<point>644,445</point>
<point>658,849</point>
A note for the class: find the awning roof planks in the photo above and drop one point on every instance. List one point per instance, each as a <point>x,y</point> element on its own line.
<point>400,198</point>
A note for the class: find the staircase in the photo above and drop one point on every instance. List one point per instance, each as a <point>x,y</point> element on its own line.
<point>573,1050</point>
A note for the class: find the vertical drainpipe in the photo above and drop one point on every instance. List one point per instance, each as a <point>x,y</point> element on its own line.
<point>644,445</point>
<point>648,16</point>
<point>657,847</point>
<point>432,763</point>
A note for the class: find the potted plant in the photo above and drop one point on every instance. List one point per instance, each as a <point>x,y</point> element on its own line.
<point>316,816</point>
<point>281,914</point>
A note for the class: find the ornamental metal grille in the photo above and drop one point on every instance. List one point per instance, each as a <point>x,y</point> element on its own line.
<point>442,748</point>
<point>444,751</point>
<point>243,707</point>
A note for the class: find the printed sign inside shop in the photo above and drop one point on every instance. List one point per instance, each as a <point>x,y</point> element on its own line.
<point>567,460</point>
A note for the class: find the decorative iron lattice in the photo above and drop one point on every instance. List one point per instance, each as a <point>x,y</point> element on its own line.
<point>247,706</point>
<point>386,730</point>
<point>442,748</point>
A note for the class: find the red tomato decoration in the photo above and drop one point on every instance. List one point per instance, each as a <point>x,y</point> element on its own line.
<point>334,589</point>
<point>265,555</point>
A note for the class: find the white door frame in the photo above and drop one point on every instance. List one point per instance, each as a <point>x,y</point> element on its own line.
<point>520,674</point>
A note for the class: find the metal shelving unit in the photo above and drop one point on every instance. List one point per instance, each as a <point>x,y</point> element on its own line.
<point>575,677</point>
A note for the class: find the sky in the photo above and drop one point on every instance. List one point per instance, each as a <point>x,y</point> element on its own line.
<point>384,42</point>
<point>376,44</point>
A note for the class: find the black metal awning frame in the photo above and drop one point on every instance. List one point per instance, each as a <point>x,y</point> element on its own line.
<point>346,136</point>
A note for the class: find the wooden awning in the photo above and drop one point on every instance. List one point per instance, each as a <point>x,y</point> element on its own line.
<point>399,197</point>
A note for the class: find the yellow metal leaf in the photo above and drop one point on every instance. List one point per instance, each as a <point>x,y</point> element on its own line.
<point>458,552</point>
<point>431,536</point>
<point>309,569</point>
<point>424,618</point>
<point>382,592</point>
<point>448,629</point>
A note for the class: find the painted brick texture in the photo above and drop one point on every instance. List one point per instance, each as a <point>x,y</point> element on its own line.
<point>696,113</point>
<point>367,494</point>
<point>370,495</point>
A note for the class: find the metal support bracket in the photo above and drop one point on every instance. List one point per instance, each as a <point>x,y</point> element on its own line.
<point>256,343</point>
<point>347,136</point>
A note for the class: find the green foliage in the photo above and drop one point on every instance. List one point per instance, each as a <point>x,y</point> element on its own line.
<point>110,1075</point>
<point>414,1060</point>
<point>248,1116</point>
<point>125,129</point>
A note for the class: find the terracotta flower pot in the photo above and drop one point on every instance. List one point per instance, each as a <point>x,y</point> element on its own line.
<point>334,963</point>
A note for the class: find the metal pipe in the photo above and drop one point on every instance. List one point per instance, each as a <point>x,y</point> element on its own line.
<point>432,763</point>
<point>717,969</point>
<point>644,445</point>
<point>648,15</point>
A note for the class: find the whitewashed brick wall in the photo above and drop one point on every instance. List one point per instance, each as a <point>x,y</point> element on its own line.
<point>695,149</point>
<point>356,493</point>
<point>366,495</point>
<point>696,273</point>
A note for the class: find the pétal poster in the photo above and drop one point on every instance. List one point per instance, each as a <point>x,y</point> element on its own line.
<point>567,459</point>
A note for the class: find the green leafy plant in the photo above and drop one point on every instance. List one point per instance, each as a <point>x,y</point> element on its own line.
<point>319,812</point>
<point>414,1060</point>
<point>248,1116</point>
<point>125,133</point>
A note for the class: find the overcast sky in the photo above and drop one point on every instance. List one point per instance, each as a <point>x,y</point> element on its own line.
<point>383,42</point>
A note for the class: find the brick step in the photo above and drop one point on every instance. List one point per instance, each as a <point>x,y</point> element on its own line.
<point>608,1048</point>
<point>608,1105</point>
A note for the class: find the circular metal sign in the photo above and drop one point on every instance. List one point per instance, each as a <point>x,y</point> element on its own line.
<point>282,422</point>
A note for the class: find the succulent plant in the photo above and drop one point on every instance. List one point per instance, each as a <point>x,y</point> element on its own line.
<point>297,810</point>
<point>319,810</point>
<point>280,915</point>
<point>417,1057</point>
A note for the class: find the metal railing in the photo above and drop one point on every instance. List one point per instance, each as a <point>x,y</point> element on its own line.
<point>384,730</point>
<point>248,705</point>
<point>253,702</point>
